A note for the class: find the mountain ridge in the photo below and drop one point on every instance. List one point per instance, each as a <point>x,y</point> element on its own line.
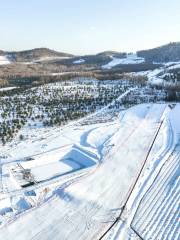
<point>165,53</point>
<point>31,54</point>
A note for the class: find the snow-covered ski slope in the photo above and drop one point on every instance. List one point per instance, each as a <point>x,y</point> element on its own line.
<point>157,216</point>
<point>130,59</point>
<point>152,210</point>
<point>158,213</point>
<point>86,207</point>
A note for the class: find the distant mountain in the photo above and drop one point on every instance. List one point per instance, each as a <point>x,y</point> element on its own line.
<point>34,54</point>
<point>166,53</point>
<point>97,59</point>
<point>86,60</point>
<point>48,55</point>
<point>112,54</point>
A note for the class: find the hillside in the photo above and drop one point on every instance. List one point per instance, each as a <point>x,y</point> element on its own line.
<point>112,54</point>
<point>166,53</point>
<point>34,54</point>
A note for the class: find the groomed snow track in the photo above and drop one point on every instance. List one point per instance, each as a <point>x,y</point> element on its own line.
<point>157,215</point>
<point>133,186</point>
<point>157,211</point>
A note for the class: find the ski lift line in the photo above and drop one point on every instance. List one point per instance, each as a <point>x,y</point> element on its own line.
<point>139,174</point>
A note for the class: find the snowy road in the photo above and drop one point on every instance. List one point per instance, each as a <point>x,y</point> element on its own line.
<point>86,208</point>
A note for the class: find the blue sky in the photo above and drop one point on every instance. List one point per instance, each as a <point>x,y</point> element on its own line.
<point>88,26</point>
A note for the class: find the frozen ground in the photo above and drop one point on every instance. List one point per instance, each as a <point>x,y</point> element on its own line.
<point>101,162</point>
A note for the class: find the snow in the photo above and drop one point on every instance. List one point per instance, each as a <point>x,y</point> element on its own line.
<point>4,60</point>
<point>81,174</point>
<point>61,73</point>
<point>48,171</point>
<point>79,61</point>
<point>174,118</point>
<point>47,58</point>
<point>168,64</point>
<point>130,59</point>
<point>157,218</point>
<point>7,88</point>
<point>175,66</point>
<point>85,208</point>
<point>152,209</point>
<point>154,76</point>
<point>21,205</point>
<point>4,206</point>
<point>35,141</point>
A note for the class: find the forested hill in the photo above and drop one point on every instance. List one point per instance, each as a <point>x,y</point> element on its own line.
<point>165,53</point>
<point>33,54</point>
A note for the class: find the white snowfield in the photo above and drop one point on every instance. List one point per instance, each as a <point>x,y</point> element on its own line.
<point>79,61</point>
<point>4,60</point>
<point>86,207</point>
<point>130,59</point>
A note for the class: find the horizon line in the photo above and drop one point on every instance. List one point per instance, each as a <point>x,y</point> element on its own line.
<point>75,54</point>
